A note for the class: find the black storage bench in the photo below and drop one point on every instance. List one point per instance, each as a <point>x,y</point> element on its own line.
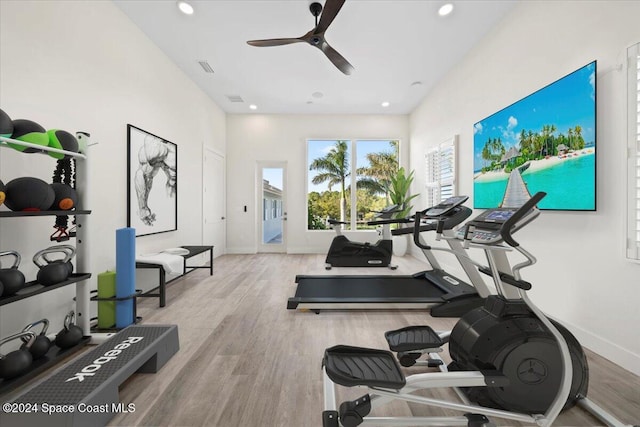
<point>193,251</point>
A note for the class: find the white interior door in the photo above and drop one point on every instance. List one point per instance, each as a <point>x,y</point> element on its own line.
<point>213,205</point>
<point>272,206</point>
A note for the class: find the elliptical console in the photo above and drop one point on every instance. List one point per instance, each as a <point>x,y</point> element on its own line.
<point>485,228</point>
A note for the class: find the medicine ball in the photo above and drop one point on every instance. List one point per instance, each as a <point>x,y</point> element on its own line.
<point>6,125</point>
<point>29,131</point>
<point>3,195</point>
<point>65,197</point>
<point>62,140</point>
<point>29,194</point>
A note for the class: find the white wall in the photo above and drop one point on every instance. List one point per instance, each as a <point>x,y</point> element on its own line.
<point>78,65</point>
<point>253,137</point>
<point>582,277</point>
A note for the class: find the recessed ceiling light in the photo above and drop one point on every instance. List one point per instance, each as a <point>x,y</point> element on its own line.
<point>253,106</point>
<point>386,104</point>
<point>185,7</point>
<point>445,9</point>
<point>317,94</point>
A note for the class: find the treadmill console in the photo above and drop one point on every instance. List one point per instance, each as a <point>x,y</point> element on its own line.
<point>485,228</point>
<point>445,206</point>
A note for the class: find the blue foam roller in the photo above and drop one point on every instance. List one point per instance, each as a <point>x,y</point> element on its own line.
<point>125,275</point>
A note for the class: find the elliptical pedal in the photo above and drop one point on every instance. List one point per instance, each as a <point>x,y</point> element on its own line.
<point>354,366</point>
<point>412,342</point>
<point>413,338</point>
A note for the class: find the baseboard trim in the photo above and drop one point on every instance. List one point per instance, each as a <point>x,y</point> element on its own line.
<point>609,350</point>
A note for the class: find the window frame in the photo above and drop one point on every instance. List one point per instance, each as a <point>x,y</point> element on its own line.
<point>352,208</point>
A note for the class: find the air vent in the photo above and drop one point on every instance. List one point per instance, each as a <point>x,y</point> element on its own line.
<point>235,98</point>
<point>206,67</point>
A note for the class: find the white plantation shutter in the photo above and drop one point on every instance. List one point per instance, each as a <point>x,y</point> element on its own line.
<point>440,167</point>
<point>633,246</point>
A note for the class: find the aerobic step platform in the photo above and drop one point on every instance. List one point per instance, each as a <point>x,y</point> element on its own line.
<point>85,391</point>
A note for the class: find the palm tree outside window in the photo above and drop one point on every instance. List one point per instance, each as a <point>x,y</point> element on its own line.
<point>336,167</point>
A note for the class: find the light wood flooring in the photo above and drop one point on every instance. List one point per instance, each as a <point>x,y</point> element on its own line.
<point>245,360</point>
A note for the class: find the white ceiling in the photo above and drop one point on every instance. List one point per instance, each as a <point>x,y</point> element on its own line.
<point>391,45</point>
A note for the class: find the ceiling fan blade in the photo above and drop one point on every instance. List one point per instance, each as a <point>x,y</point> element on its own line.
<point>337,59</point>
<point>273,42</point>
<point>329,12</point>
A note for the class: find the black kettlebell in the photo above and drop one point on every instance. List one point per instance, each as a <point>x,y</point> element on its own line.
<point>68,249</point>
<point>12,279</point>
<point>17,362</point>
<point>42,344</point>
<point>52,272</point>
<point>71,334</point>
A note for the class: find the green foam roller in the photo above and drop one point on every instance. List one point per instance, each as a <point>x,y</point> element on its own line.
<point>106,309</point>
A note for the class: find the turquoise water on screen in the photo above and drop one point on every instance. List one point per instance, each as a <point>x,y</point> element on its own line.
<point>569,185</point>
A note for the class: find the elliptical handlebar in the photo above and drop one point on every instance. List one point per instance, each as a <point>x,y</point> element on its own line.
<point>505,230</point>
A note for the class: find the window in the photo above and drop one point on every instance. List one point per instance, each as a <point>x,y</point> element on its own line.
<point>335,168</point>
<point>440,170</point>
<point>633,224</point>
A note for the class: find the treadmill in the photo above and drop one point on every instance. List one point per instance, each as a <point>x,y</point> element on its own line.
<point>444,294</point>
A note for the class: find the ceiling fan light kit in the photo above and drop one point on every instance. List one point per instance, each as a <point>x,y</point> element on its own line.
<point>315,37</point>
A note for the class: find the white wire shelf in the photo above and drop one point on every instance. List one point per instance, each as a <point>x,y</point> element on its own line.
<point>4,142</point>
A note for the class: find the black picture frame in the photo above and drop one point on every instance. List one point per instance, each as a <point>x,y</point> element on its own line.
<point>152,179</point>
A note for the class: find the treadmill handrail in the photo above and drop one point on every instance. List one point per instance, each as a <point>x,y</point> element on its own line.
<point>416,233</point>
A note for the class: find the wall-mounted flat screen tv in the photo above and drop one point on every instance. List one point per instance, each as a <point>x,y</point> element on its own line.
<point>544,142</point>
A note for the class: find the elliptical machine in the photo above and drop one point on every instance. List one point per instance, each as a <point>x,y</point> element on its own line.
<point>509,360</point>
<point>347,253</point>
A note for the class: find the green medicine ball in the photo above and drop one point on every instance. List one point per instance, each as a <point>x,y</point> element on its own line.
<point>29,131</point>
<point>62,140</point>
<point>6,125</point>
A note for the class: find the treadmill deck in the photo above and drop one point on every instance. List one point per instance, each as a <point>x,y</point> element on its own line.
<point>368,292</point>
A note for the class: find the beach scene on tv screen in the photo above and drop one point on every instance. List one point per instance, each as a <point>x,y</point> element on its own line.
<point>544,142</point>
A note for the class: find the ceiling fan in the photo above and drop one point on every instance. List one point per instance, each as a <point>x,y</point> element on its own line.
<point>315,37</point>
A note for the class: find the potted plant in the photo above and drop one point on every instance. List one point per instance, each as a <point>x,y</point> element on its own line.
<point>399,187</point>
